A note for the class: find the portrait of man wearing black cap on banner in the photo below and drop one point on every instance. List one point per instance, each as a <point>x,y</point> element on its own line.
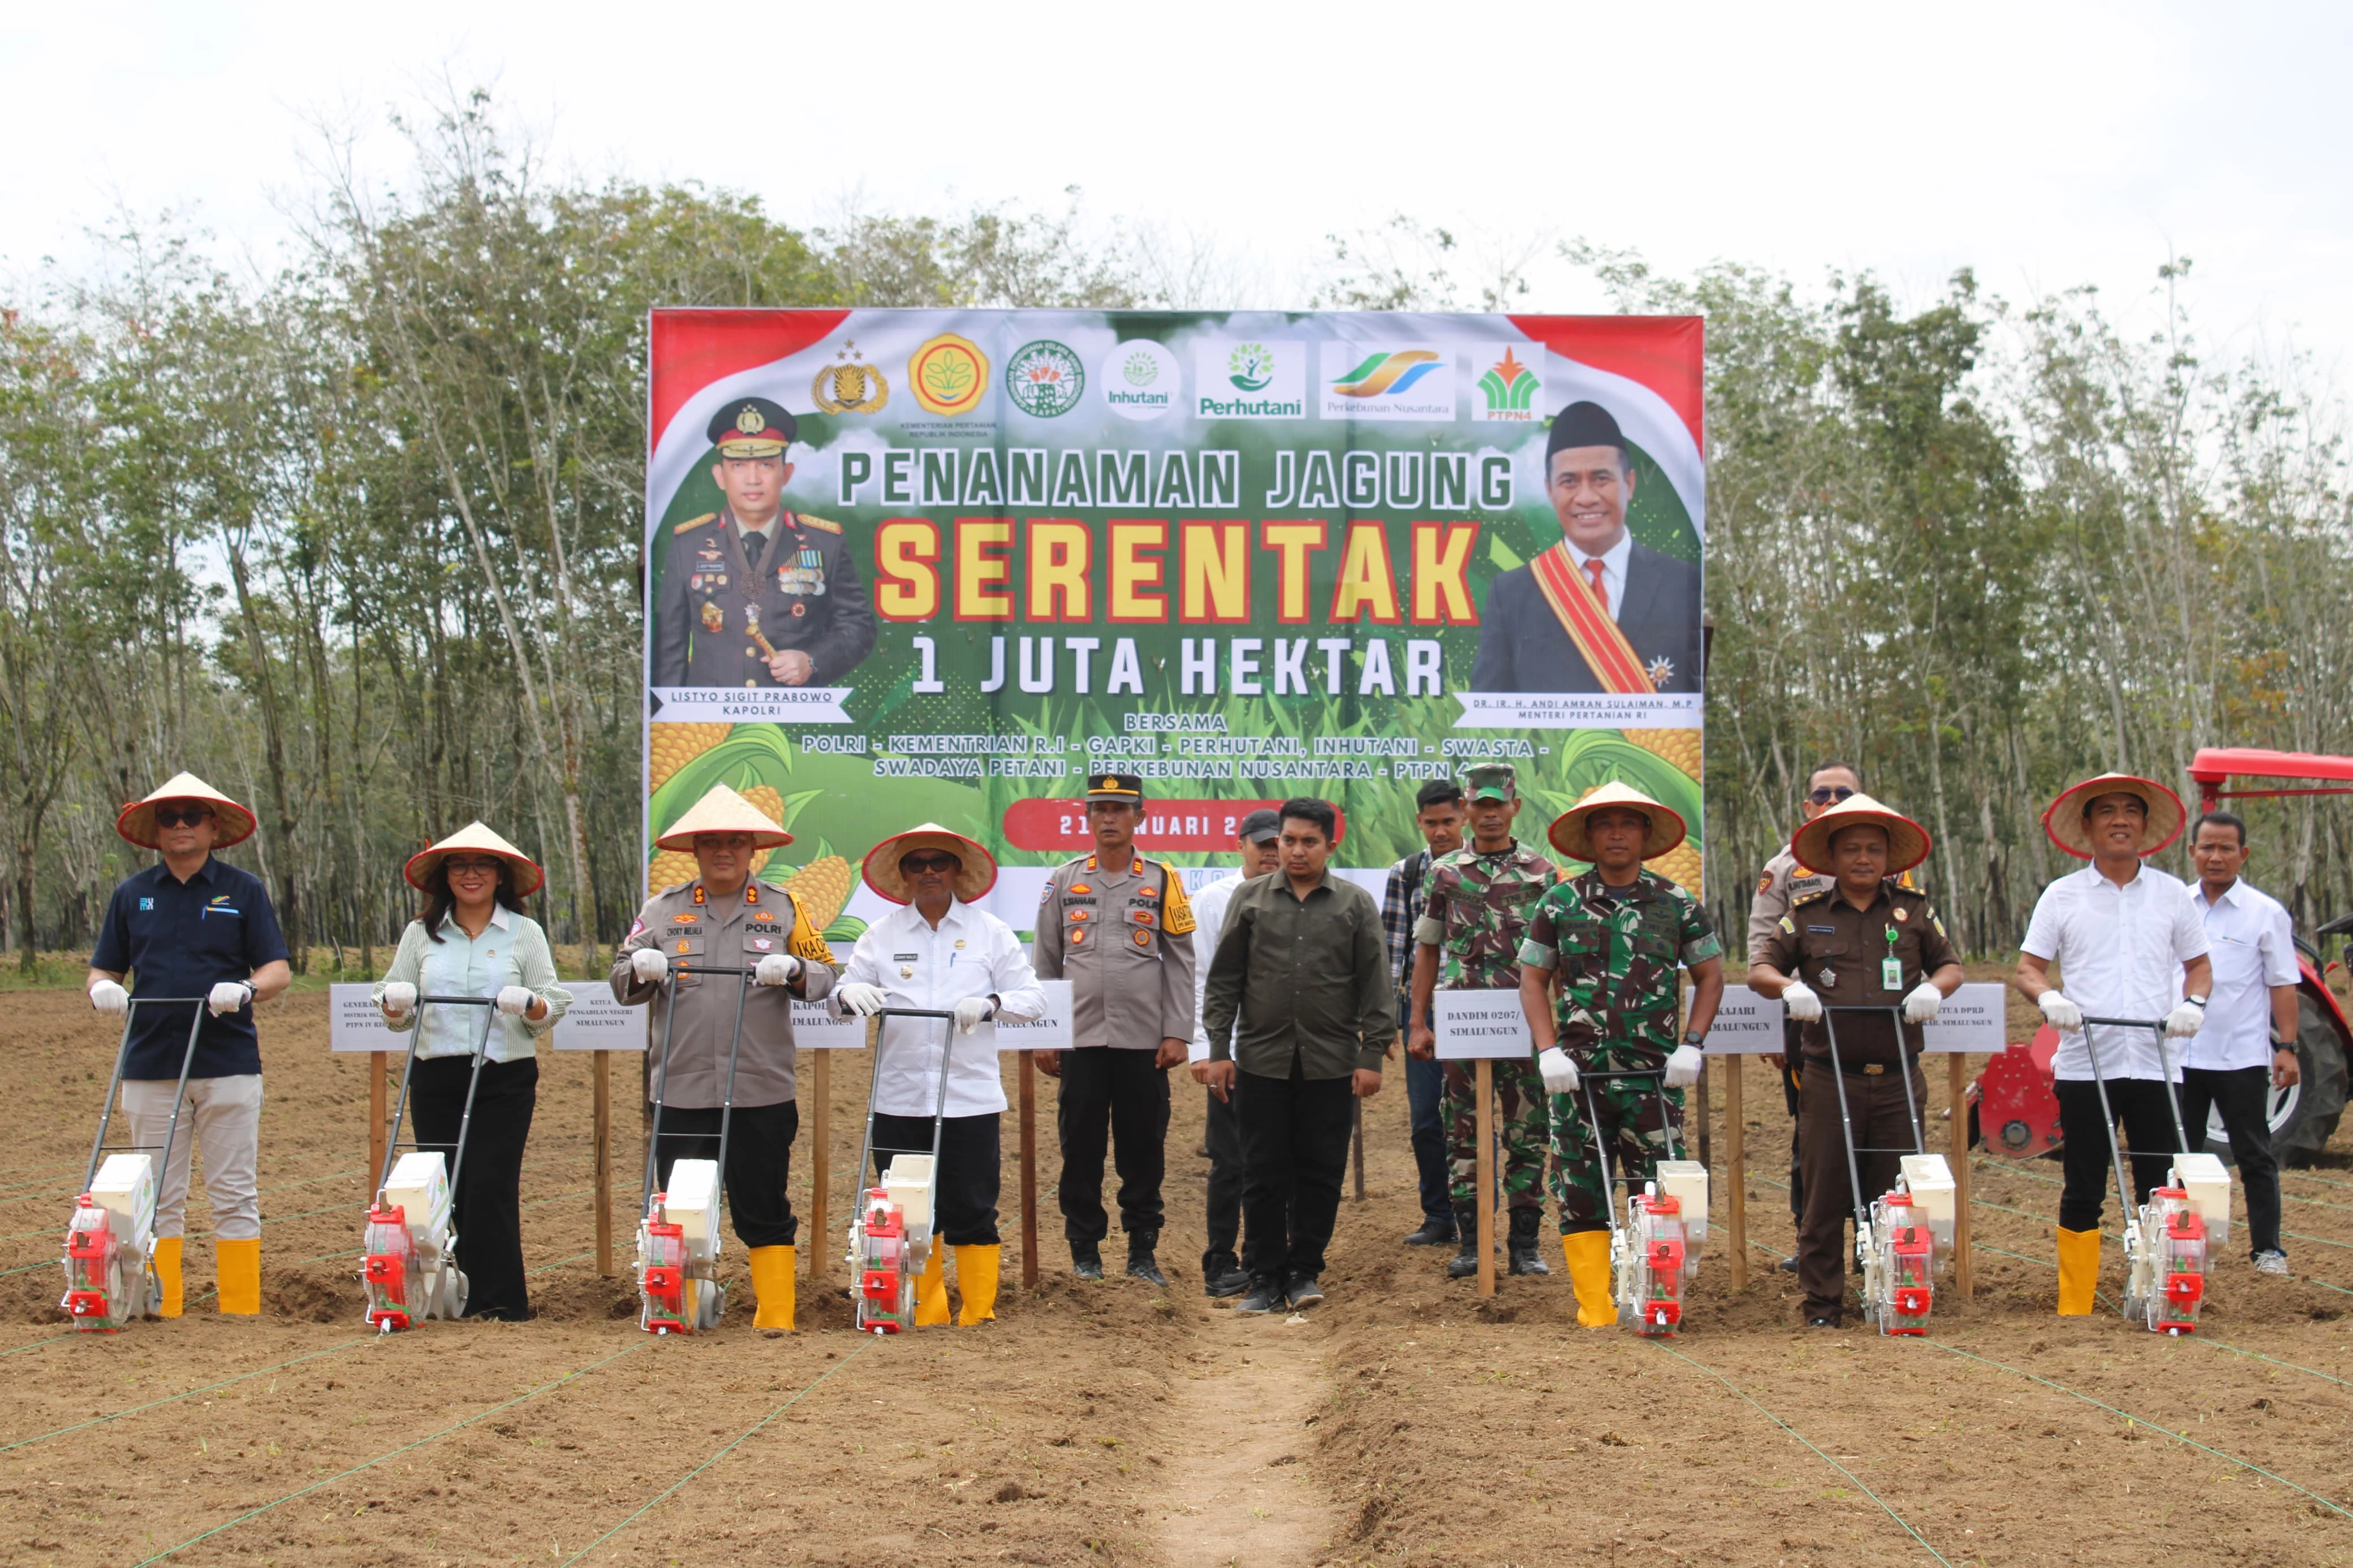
<point>757,594</point>
<point>1596,613</point>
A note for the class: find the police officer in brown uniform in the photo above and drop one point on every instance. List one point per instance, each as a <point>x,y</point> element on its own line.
<point>757,595</point>
<point>1865,941</point>
<point>726,918</point>
<point>1785,880</point>
<point>1118,928</point>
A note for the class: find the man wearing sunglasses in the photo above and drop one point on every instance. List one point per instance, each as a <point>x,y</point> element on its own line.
<point>193,926</point>
<point>1783,883</point>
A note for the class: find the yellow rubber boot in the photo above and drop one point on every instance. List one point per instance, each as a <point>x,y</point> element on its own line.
<point>771,1284</point>
<point>238,1264</point>
<point>1587,1254</point>
<point>167,1276</point>
<point>2079,1271</point>
<point>976,1277</point>
<point>931,1288</point>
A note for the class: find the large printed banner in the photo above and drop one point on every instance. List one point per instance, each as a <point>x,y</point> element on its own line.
<point>943,565</point>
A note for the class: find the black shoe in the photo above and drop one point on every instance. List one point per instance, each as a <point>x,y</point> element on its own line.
<point>1437,1230</point>
<point>1526,1253</point>
<point>1304,1291</point>
<point>1465,1263</point>
<point>1086,1261</point>
<point>1226,1281</point>
<point>1265,1296</point>
<point>1822,1322</point>
<point>1141,1263</point>
<point>1787,1264</point>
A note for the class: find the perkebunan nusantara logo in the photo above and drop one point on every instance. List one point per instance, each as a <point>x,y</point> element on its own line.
<point>1044,379</point>
<point>1249,378</point>
<point>948,375</point>
<point>849,385</point>
<point>1140,379</point>
<point>1508,388</point>
<point>1371,382</point>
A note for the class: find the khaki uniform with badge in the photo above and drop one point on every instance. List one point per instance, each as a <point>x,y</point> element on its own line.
<point>1853,958</point>
<point>1785,880</point>
<point>728,600</point>
<point>1125,942</point>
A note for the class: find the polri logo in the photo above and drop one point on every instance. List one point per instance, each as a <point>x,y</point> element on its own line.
<point>1249,378</point>
<point>1370,382</point>
<point>1141,379</point>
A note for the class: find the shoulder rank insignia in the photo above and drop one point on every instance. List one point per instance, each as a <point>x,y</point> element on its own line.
<point>822,524</point>
<point>696,521</point>
<point>1815,897</point>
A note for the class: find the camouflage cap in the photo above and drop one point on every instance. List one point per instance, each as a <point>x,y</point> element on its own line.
<point>1491,781</point>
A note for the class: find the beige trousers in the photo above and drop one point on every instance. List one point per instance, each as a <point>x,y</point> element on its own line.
<point>223,1116</point>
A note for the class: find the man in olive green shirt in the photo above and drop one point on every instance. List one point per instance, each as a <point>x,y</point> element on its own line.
<point>1303,964</point>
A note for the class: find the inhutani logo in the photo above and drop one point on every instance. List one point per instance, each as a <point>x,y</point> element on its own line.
<point>1140,379</point>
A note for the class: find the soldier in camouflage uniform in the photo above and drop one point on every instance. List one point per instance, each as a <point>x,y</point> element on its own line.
<point>1468,938</point>
<point>1598,980</point>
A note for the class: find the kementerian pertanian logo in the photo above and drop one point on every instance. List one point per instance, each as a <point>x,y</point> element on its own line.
<point>948,375</point>
<point>1045,379</point>
<point>1140,379</point>
<point>1250,367</point>
<point>1509,389</point>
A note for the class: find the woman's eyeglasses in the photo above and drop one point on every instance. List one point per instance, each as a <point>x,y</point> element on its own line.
<point>472,868</point>
<point>1824,796</point>
<point>917,863</point>
<point>167,818</point>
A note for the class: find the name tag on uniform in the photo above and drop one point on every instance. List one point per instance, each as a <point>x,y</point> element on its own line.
<point>1822,930</point>
<point>905,957</point>
<point>1890,974</point>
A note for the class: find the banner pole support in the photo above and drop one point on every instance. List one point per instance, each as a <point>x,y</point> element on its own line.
<point>1485,1078</point>
<point>1963,1267</point>
<point>1029,1171</point>
<point>820,1163</point>
<point>1736,1155</point>
<point>601,1114</point>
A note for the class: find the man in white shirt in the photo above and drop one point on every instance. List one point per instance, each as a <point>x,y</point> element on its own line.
<point>940,954</point>
<point>2248,1045</point>
<point>2121,931</point>
<point>1260,842</point>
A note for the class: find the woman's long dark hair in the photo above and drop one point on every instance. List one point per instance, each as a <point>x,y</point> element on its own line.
<point>439,900</point>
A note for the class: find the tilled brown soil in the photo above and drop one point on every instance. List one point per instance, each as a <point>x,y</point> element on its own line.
<point>1116,1424</point>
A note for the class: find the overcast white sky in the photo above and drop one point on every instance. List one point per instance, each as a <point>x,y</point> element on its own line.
<point>2046,144</point>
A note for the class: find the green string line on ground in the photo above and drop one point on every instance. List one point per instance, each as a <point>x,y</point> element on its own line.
<point>2221,1345</point>
<point>389,1454</point>
<point>2128,1415</point>
<point>36,1344</point>
<point>729,1446</point>
<point>175,1399</point>
<point>1801,1436</point>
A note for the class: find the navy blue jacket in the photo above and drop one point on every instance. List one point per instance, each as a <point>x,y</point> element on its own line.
<point>181,939</point>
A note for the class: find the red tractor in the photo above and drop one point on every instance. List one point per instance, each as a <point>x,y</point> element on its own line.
<point>2013,1111</point>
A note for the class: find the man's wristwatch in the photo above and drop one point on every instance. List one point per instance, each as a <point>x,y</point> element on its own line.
<point>1696,1042</point>
<point>2198,1002</point>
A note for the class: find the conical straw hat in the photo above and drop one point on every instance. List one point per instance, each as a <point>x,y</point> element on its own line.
<point>722,811</point>
<point>474,836</point>
<point>881,868</point>
<point>137,823</point>
<point>1568,832</point>
<point>2064,820</point>
<point>1908,841</point>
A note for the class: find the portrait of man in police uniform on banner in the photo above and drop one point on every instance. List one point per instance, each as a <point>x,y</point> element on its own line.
<point>754,594</point>
<point>1597,611</point>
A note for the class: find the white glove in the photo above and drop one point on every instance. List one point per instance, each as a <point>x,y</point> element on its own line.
<point>776,969</point>
<point>399,999</point>
<point>861,998</point>
<point>228,996</point>
<point>1682,1067</point>
<point>969,1013</point>
<point>1920,1007</point>
<point>2186,1019</point>
<point>109,996</point>
<point>1800,999</point>
<point>2063,1014</point>
<point>650,964</point>
<point>1559,1072</point>
<point>513,1001</point>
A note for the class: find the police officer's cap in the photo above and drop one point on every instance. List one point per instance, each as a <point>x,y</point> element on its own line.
<point>1583,424</point>
<point>1491,781</point>
<point>752,428</point>
<point>1116,786</point>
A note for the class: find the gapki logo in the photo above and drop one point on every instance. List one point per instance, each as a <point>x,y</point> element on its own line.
<point>1141,379</point>
<point>1249,378</point>
<point>1045,379</point>
<point>1369,381</point>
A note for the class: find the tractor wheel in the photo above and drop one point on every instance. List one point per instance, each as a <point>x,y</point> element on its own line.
<point>2303,1131</point>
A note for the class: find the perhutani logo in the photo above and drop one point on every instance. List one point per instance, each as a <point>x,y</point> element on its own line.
<point>1371,381</point>
<point>1045,379</point>
<point>1140,379</point>
<point>1509,389</point>
<point>1249,378</point>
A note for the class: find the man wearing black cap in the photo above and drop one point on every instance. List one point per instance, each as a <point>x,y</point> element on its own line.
<point>754,594</point>
<point>1259,839</point>
<point>1118,926</point>
<point>1596,612</point>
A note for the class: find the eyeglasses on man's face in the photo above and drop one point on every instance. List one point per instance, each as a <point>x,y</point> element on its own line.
<point>187,817</point>
<point>916,864</point>
<point>1828,793</point>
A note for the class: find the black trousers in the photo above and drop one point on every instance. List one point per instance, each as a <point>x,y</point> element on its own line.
<point>2244,1096</point>
<point>487,1207</point>
<point>759,1159</point>
<point>1225,1139</point>
<point>963,1184</point>
<point>1294,1134</point>
<point>1875,1109</point>
<point>1792,1046</point>
<point>1116,1097</point>
<point>2141,1105</point>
